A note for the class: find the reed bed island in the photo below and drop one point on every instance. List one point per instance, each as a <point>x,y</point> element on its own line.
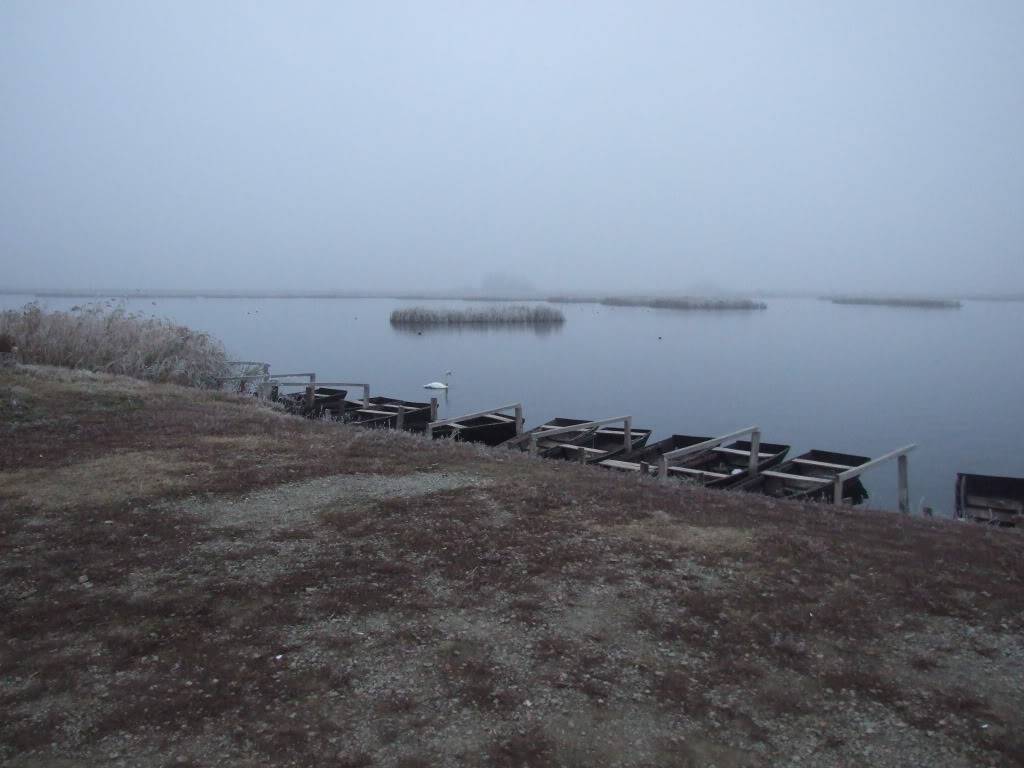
<point>518,314</point>
<point>680,303</point>
<point>897,302</point>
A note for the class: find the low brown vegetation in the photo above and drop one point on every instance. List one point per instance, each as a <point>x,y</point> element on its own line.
<point>189,578</point>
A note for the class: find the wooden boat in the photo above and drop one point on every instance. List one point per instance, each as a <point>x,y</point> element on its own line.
<point>810,476</point>
<point>522,442</point>
<point>591,444</point>
<point>382,413</point>
<point>990,499</point>
<point>327,402</point>
<point>602,444</point>
<point>718,467</point>
<point>490,429</point>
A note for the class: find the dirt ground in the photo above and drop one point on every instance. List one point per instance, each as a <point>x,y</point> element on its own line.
<point>187,578</point>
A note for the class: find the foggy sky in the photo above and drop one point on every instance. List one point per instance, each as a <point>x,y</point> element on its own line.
<point>856,146</point>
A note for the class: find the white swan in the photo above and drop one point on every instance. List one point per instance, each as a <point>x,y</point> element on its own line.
<point>439,384</point>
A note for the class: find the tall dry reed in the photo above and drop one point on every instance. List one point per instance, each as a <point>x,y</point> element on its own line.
<point>115,341</point>
<point>516,314</point>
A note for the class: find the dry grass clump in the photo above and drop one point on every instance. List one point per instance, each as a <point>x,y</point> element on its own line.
<point>114,341</point>
<point>517,314</point>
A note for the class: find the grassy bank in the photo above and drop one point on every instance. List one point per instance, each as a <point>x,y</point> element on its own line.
<point>197,580</point>
<point>113,341</point>
<point>680,303</point>
<point>507,315</point>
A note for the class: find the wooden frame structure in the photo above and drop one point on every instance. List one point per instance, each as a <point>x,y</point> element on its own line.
<point>312,384</point>
<point>516,407</point>
<point>627,430</point>
<point>902,471</point>
<point>755,450</point>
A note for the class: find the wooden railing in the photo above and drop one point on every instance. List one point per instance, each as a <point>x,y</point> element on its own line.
<point>627,429</point>
<point>517,407</point>
<point>903,472</point>
<point>311,384</point>
<point>755,449</point>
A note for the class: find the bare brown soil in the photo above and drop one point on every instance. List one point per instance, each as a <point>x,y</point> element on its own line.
<point>187,578</point>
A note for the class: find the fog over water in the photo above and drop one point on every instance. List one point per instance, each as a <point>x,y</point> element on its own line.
<point>669,147</point>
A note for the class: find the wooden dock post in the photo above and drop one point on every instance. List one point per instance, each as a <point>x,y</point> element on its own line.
<point>400,417</point>
<point>519,419</point>
<point>533,444</point>
<point>433,411</point>
<point>310,390</point>
<point>904,485</point>
<point>628,433</point>
<point>662,468</point>
<point>582,455</point>
<point>645,469</point>
<point>755,450</point>
<point>900,454</point>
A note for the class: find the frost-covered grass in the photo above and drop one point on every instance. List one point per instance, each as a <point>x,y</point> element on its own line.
<point>517,314</point>
<point>114,341</point>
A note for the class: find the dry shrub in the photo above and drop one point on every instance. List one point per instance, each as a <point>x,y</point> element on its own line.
<point>115,341</point>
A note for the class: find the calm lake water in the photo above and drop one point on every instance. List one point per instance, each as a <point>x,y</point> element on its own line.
<point>812,374</point>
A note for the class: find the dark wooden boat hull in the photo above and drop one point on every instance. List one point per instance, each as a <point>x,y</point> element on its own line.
<point>522,442</point>
<point>737,466</point>
<point>990,499</point>
<point>810,477</point>
<point>327,403</point>
<point>603,442</point>
<point>719,467</point>
<point>382,413</point>
<point>600,445</point>
<point>488,430</point>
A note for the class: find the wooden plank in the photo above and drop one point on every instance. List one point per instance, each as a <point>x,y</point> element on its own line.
<point>822,464</point>
<point>488,412</point>
<point>797,478</point>
<point>755,452</point>
<point>857,471</point>
<point>707,445</point>
<point>903,484</point>
<point>741,452</point>
<point>572,447</point>
<point>551,431</point>
<point>616,464</point>
<point>994,502</point>
<point>690,471</point>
